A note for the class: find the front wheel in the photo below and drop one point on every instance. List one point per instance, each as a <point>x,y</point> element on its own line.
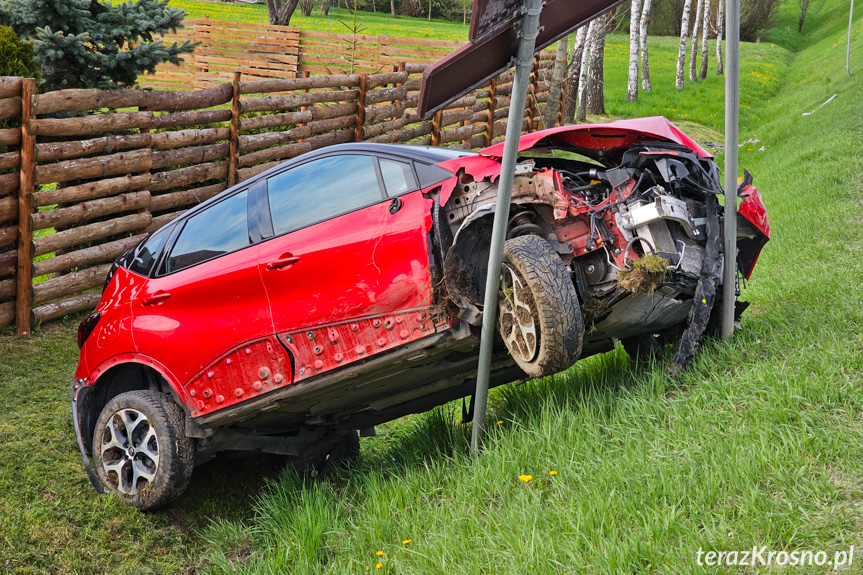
<point>140,451</point>
<point>538,313</point>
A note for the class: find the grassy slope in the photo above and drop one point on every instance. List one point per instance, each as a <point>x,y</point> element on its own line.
<point>760,443</point>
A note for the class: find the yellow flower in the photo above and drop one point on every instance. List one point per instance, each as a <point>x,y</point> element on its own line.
<point>500,422</point>
<point>552,472</point>
<point>525,478</point>
<point>378,565</point>
<point>407,541</point>
<point>379,553</point>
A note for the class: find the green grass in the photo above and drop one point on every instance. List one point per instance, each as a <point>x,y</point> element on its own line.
<point>759,443</point>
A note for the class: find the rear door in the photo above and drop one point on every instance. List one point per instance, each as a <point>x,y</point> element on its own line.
<point>206,296</point>
<point>344,249</point>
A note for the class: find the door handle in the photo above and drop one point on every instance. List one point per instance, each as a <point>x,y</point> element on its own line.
<point>157,297</point>
<point>284,262</point>
<point>395,206</point>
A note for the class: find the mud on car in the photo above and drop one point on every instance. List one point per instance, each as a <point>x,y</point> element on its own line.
<point>343,289</point>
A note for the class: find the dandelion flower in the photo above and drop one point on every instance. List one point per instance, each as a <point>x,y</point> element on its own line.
<point>378,565</point>
<point>379,553</point>
<point>500,422</point>
<point>407,541</point>
<point>552,472</point>
<point>525,478</point>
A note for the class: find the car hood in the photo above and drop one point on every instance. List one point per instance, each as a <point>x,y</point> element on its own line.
<point>604,142</point>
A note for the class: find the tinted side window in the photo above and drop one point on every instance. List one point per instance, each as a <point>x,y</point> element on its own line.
<point>220,229</point>
<point>322,189</point>
<point>143,257</point>
<point>431,175</point>
<point>398,177</point>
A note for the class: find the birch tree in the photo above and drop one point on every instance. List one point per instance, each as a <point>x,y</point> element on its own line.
<point>704,29</point>
<point>581,108</point>
<point>693,58</point>
<point>596,72</point>
<point>720,32</point>
<point>681,52</point>
<point>632,83</point>
<point>645,63</point>
<point>552,108</point>
<point>573,75</point>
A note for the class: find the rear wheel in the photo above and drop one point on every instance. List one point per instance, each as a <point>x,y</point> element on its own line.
<point>538,313</point>
<point>140,451</point>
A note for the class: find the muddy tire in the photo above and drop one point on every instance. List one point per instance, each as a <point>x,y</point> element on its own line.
<point>539,317</point>
<point>140,451</point>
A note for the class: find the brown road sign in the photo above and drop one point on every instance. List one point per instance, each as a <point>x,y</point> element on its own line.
<point>494,42</point>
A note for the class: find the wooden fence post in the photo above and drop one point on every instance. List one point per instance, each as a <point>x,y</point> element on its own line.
<point>399,68</point>
<point>306,74</point>
<point>24,296</point>
<point>234,144</point>
<point>361,108</point>
<point>436,123</point>
<point>492,101</point>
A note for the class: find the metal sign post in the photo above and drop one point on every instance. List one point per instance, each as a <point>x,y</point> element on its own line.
<point>848,48</point>
<point>732,100</point>
<point>523,63</point>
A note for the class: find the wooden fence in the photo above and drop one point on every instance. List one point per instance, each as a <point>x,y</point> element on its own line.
<point>266,51</point>
<point>93,171</point>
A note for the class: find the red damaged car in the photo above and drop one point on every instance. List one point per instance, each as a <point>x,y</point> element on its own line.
<point>343,289</point>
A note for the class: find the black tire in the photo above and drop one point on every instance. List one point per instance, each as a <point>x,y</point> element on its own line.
<point>641,347</point>
<point>152,467</point>
<point>345,451</point>
<point>539,317</point>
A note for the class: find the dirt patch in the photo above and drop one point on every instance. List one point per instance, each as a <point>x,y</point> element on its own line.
<point>645,275</point>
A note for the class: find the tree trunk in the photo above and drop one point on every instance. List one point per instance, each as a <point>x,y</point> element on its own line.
<point>280,13</point>
<point>393,8</point>
<point>596,84</point>
<point>552,108</point>
<point>325,7</point>
<point>581,108</point>
<point>704,29</point>
<point>645,63</point>
<point>720,32</point>
<point>681,52</point>
<point>634,29</point>
<point>573,75</point>
<point>693,58</point>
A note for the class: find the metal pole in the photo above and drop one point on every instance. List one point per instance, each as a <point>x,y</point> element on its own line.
<point>524,61</point>
<point>848,49</point>
<point>732,101</point>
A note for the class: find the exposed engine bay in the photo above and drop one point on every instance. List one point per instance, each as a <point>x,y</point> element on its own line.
<point>639,228</point>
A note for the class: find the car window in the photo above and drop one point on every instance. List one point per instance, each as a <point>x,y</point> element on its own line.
<point>143,257</point>
<point>398,177</point>
<point>220,229</point>
<point>322,189</point>
<point>431,175</point>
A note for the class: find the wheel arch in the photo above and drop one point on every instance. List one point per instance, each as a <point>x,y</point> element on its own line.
<point>119,375</point>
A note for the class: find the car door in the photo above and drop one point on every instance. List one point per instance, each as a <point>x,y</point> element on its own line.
<point>342,248</point>
<point>206,296</point>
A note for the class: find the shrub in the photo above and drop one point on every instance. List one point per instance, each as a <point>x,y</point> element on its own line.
<point>16,55</point>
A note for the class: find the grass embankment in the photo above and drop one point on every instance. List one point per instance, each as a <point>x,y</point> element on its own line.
<point>759,443</point>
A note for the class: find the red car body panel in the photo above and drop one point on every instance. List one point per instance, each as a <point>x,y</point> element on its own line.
<point>365,263</point>
<point>606,140</point>
<point>209,309</point>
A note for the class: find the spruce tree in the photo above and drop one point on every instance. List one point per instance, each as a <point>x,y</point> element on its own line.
<point>93,43</point>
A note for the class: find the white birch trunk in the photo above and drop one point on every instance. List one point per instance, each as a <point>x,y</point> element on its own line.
<point>693,58</point>
<point>720,32</point>
<point>645,63</point>
<point>573,74</point>
<point>552,108</point>
<point>596,74</point>
<point>632,83</point>
<point>581,108</point>
<point>705,27</point>
<point>681,52</point>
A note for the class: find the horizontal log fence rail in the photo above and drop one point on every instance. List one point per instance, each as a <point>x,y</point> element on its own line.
<point>91,172</point>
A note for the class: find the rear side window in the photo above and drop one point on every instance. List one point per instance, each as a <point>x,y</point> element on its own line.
<point>398,177</point>
<point>143,257</point>
<point>218,230</point>
<point>431,175</point>
<point>322,189</point>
